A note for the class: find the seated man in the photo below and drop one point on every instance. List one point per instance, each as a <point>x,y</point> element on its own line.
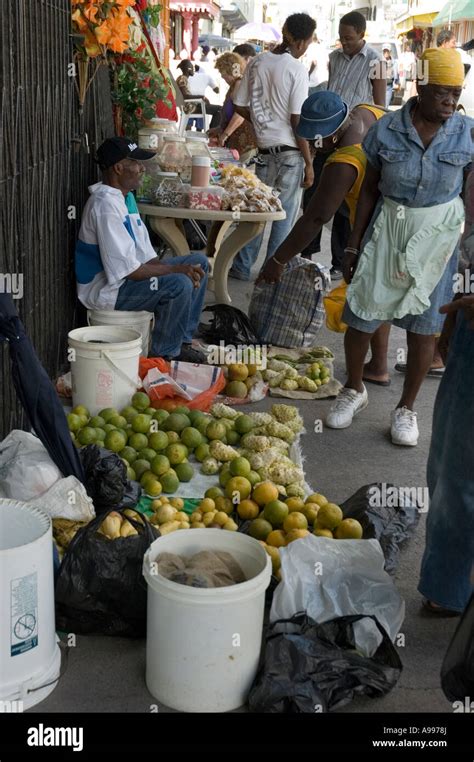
<point>117,267</point>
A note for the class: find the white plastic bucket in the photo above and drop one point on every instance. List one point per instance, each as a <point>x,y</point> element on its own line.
<point>141,321</point>
<point>203,645</point>
<point>30,658</point>
<point>104,366</point>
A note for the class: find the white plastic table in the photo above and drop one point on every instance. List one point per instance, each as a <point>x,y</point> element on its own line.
<point>167,223</point>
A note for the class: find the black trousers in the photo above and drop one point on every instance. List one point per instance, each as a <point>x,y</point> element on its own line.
<point>341,227</point>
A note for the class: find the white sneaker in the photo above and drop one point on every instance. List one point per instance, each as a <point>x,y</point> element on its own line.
<point>347,405</point>
<point>404,428</point>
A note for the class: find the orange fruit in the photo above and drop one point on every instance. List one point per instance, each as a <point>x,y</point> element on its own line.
<point>349,529</point>
<point>295,520</point>
<point>238,484</point>
<point>295,504</point>
<point>207,505</point>
<point>223,504</point>
<point>264,493</point>
<point>311,510</point>
<point>276,539</point>
<point>274,554</point>
<point>329,516</point>
<point>248,509</point>
<point>323,533</point>
<point>238,371</point>
<point>317,498</point>
<point>296,534</point>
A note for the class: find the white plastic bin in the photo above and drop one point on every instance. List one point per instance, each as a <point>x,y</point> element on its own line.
<point>203,645</point>
<point>141,321</point>
<point>104,366</point>
<point>30,658</point>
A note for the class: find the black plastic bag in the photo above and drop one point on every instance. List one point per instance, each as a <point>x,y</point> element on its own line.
<point>457,671</point>
<point>390,525</point>
<point>100,588</point>
<point>229,325</point>
<point>106,480</point>
<point>316,668</point>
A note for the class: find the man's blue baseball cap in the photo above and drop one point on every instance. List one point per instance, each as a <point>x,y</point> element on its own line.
<point>321,115</point>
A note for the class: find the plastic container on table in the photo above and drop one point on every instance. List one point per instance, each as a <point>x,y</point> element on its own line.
<point>150,181</point>
<point>200,171</point>
<point>175,157</point>
<point>171,190</point>
<point>209,198</point>
<point>197,145</point>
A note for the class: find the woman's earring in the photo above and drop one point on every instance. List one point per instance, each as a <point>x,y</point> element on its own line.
<point>334,139</point>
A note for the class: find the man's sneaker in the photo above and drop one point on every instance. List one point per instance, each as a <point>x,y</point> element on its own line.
<point>347,405</point>
<point>404,428</point>
<point>189,354</point>
<point>335,273</point>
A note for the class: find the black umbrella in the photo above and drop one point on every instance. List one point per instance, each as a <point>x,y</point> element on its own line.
<point>37,394</point>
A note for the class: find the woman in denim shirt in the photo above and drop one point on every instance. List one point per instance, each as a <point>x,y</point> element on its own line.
<point>402,254</point>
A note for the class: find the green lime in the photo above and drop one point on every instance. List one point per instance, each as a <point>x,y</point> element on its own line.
<point>140,401</point>
<point>191,437</point>
<point>115,441</point>
<point>185,472</point>
<point>128,454</point>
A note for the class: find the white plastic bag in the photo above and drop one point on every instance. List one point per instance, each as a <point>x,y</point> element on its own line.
<point>26,470</point>
<point>332,578</point>
<point>185,379</point>
<point>66,499</point>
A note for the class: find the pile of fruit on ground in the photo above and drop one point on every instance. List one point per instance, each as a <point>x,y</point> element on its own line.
<point>308,377</point>
<point>259,486</point>
<point>241,378</point>
<point>155,444</point>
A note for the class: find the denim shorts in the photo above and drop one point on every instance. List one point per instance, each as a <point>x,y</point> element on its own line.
<point>428,323</point>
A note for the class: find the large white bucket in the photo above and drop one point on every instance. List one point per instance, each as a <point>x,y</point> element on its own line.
<point>30,658</point>
<point>203,645</point>
<point>141,321</point>
<point>104,366</point>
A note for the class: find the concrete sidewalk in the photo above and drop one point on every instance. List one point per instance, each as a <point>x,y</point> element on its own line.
<point>107,674</point>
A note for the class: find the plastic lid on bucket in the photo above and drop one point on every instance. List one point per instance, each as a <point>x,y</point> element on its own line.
<point>98,335</point>
<point>21,524</point>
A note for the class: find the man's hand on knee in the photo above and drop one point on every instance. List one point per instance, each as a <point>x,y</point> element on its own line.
<point>194,272</point>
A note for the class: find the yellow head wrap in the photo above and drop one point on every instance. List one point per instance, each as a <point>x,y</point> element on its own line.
<point>441,66</point>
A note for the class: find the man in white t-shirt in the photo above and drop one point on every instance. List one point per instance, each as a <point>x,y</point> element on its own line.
<point>272,91</point>
<point>200,81</point>
<point>117,267</point>
<point>316,61</point>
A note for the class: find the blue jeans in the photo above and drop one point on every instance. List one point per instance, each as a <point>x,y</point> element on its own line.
<point>176,303</point>
<point>448,559</point>
<point>388,97</point>
<point>284,172</point>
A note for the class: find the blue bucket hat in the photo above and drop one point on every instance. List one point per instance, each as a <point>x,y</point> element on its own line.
<point>321,114</point>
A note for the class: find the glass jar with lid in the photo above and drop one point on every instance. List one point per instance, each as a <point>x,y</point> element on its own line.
<point>197,145</point>
<point>175,157</point>
<point>150,180</point>
<point>170,191</point>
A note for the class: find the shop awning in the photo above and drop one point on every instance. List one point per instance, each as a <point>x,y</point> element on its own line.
<point>232,15</point>
<point>195,6</point>
<point>455,10</point>
<point>406,22</point>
